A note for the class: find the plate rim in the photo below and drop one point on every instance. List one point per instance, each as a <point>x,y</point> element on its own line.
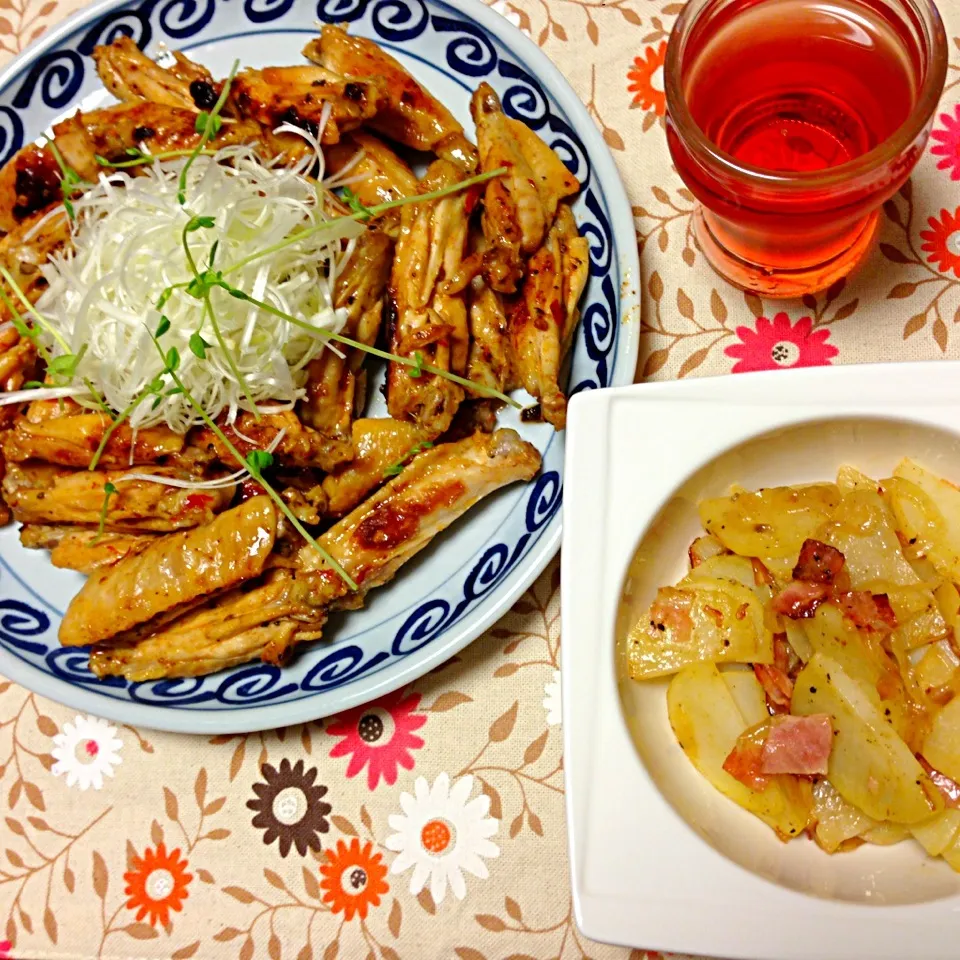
<point>589,595</point>
<point>267,716</point>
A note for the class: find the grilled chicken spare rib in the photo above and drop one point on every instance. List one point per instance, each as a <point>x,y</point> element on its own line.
<point>266,616</point>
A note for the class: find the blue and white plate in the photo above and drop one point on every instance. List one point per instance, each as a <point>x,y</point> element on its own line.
<point>473,573</point>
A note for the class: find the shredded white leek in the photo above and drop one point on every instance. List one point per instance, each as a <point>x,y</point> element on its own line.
<point>230,480</point>
<point>127,249</point>
<point>43,393</point>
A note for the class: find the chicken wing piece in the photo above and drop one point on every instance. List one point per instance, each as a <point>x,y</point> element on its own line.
<point>242,625</point>
<point>489,362</point>
<point>29,183</point>
<point>437,486</point>
<point>300,446</point>
<point>72,441</point>
<point>42,493</point>
<point>575,258</point>
<point>410,116</point>
<point>289,606</point>
<point>518,207</point>
<point>152,126</point>
<point>298,95</point>
<point>171,573</point>
<point>130,75</point>
<point>22,253</point>
<point>544,316</point>
<point>83,549</point>
<point>334,393</point>
<point>378,445</point>
<point>422,319</point>
<point>379,175</point>
<point>17,357</point>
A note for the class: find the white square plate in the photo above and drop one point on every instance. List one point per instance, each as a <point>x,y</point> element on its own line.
<point>659,859</point>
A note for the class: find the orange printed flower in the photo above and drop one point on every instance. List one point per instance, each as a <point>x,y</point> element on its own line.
<point>157,884</point>
<point>647,80</point>
<point>353,879</point>
<point>943,241</point>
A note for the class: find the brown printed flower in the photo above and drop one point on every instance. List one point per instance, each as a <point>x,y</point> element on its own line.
<point>289,807</point>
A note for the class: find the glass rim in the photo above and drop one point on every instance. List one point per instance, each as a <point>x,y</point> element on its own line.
<point>701,146</point>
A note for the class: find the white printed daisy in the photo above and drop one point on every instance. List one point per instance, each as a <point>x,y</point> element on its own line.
<point>440,835</point>
<point>552,702</point>
<point>85,751</point>
<point>509,13</point>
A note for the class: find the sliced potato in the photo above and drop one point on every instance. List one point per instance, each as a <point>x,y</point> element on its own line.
<point>835,636</point>
<point>715,620</point>
<point>919,618</point>
<point>948,600</point>
<point>885,834</point>
<point>937,667</point>
<point>870,766</point>
<point>703,548</point>
<point>863,531</point>
<point>941,748</point>
<point>837,820</point>
<point>937,833</point>
<point>771,523</point>
<point>729,566</point>
<point>798,639</point>
<point>928,513</point>
<point>747,694</point>
<point>707,722</point>
<point>850,479</point>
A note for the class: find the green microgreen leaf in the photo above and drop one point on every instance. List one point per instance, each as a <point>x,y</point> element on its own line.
<point>198,346</point>
<point>198,223</point>
<point>395,469</point>
<point>108,491</point>
<point>163,326</point>
<point>64,366</point>
<point>257,461</point>
<point>417,369</point>
<point>32,385</point>
<point>356,205</point>
<point>172,360</point>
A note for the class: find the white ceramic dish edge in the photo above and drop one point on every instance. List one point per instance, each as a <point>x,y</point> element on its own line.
<point>641,876</point>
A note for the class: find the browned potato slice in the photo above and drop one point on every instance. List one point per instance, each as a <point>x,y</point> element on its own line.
<point>870,766</point>
<point>699,620</point>
<point>770,523</point>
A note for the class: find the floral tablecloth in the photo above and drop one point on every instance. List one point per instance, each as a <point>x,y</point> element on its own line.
<point>333,839</point>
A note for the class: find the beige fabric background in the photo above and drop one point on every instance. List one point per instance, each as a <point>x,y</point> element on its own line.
<point>490,714</point>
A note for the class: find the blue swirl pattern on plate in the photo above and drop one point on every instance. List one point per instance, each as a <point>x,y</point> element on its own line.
<point>57,78</point>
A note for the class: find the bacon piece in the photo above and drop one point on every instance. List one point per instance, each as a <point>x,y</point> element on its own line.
<point>783,656</point>
<point>671,611</point>
<point>777,686</point>
<point>799,745</point>
<point>949,789</point>
<point>744,761</point>
<point>818,562</point>
<point>869,611</point>
<point>799,599</point>
<point>762,577</point>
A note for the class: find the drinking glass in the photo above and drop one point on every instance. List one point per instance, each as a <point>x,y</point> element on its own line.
<point>792,121</point>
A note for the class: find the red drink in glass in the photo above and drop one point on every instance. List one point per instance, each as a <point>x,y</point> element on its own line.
<point>792,121</point>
